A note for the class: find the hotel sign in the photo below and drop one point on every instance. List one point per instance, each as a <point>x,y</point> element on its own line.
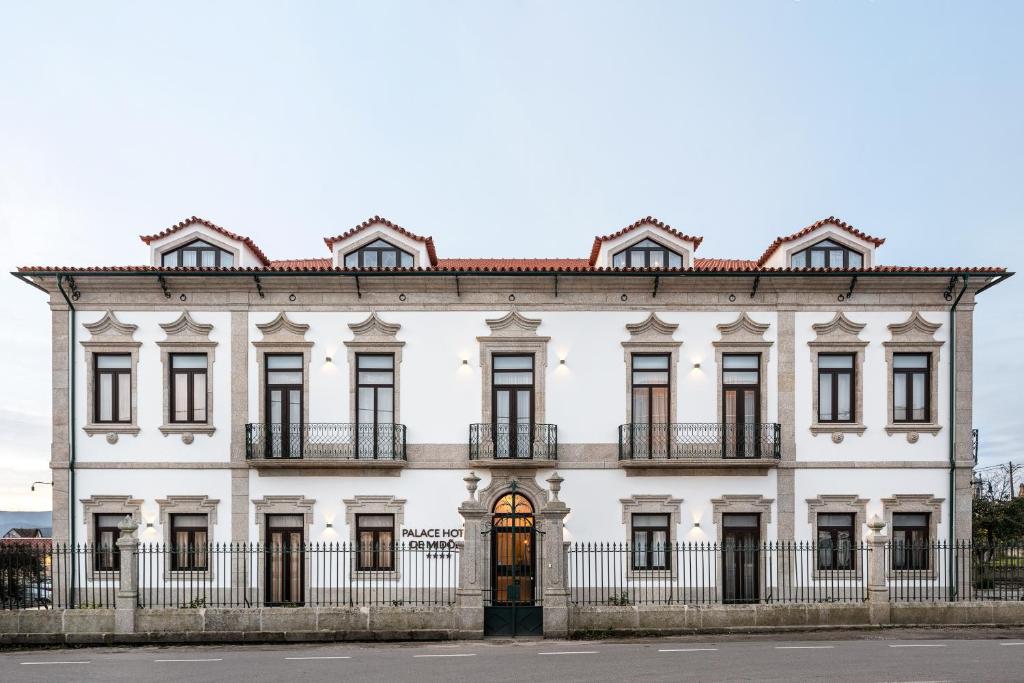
<point>437,539</point>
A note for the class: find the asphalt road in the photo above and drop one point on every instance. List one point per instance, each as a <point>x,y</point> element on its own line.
<point>892,656</point>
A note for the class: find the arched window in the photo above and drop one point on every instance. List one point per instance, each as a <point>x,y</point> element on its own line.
<point>198,254</point>
<point>378,254</point>
<point>520,515</point>
<point>827,254</point>
<point>647,254</point>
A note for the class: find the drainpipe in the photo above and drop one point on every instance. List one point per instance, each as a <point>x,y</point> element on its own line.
<point>954,583</point>
<point>71,434</point>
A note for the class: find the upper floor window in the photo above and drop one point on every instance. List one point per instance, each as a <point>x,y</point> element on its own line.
<point>647,254</point>
<point>378,254</point>
<point>188,387</point>
<point>911,391</point>
<point>113,387</point>
<point>198,254</point>
<point>835,387</point>
<point>827,254</point>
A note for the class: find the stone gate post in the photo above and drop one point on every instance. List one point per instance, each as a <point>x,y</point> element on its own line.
<point>878,592</point>
<point>469,597</point>
<point>127,598</point>
<point>556,588</point>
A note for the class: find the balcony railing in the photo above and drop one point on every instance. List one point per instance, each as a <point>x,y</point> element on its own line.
<point>324,441</point>
<point>513,441</point>
<point>699,440</point>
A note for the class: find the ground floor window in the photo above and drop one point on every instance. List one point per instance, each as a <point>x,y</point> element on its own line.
<point>375,535</point>
<point>650,541</point>
<point>910,540</point>
<point>835,541</point>
<point>189,536</point>
<point>107,556</point>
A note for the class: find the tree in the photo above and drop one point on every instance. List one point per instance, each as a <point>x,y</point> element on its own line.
<point>998,521</point>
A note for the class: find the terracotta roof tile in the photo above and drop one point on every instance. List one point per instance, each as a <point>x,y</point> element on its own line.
<point>202,221</point>
<point>831,220</point>
<point>649,220</point>
<point>301,263</point>
<point>429,241</point>
<point>513,263</point>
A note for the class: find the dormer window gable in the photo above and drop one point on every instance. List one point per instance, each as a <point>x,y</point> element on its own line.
<point>647,243</point>
<point>379,243</point>
<point>378,254</point>
<point>198,243</point>
<point>647,254</point>
<point>827,254</point>
<point>197,254</point>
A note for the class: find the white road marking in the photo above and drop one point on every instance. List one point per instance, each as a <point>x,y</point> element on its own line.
<point>920,645</point>
<point>1011,643</point>
<point>464,654</point>
<point>188,660</point>
<point>576,652</point>
<point>332,657</point>
<point>35,663</point>
<point>692,649</point>
<point>804,647</point>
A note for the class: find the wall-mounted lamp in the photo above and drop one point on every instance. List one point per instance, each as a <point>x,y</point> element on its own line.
<point>327,359</point>
<point>696,525</point>
<point>465,361</point>
<point>561,361</point>
<point>46,483</point>
<point>696,365</point>
<point>149,525</point>
<point>330,525</point>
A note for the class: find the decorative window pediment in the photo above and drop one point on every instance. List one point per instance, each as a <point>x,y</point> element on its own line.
<point>187,339</point>
<point>516,334</point>
<point>743,331</point>
<point>513,324</point>
<point>282,330</point>
<point>112,342</point>
<point>837,339</point>
<point>840,330</point>
<point>652,329</point>
<point>914,336</point>
<point>187,331</point>
<point>110,329</point>
<point>914,330</point>
<point>373,330</point>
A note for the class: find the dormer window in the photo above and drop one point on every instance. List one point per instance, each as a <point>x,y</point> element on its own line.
<point>647,254</point>
<point>827,254</point>
<point>378,254</point>
<point>198,254</point>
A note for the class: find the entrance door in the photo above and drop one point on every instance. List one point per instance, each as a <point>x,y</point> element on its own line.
<point>284,406</point>
<point>740,558</point>
<point>284,560</point>
<point>741,409</point>
<point>512,607</point>
<point>512,406</point>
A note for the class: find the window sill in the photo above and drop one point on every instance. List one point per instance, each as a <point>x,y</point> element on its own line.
<point>187,428</point>
<point>840,427</point>
<point>111,428</point>
<point>907,427</point>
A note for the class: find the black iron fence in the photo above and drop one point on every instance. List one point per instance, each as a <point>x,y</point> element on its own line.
<point>513,441</point>
<point>939,571</point>
<point>621,574</point>
<point>316,574</point>
<point>323,440</point>
<point>36,575</point>
<point>696,440</point>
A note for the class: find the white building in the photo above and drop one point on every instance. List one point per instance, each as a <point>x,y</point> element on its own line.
<point>681,399</point>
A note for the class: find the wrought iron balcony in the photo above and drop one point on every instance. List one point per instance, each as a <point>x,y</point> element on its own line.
<point>699,440</point>
<point>513,441</point>
<point>325,441</point>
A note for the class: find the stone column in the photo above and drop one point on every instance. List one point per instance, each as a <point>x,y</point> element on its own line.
<point>60,448</point>
<point>127,598</point>
<point>785,498</point>
<point>241,574</point>
<point>878,592</point>
<point>469,597</point>
<point>555,588</point>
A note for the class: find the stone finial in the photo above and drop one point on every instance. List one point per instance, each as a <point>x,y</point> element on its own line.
<point>471,483</point>
<point>555,484</point>
<point>127,526</point>
<point>876,524</point>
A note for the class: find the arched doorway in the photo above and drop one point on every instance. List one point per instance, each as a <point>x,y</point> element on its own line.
<point>513,606</point>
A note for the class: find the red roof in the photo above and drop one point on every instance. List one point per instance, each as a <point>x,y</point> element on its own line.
<point>831,220</point>
<point>202,221</point>
<point>377,220</point>
<point>520,263</point>
<point>649,220</point>
<point>301,263</point>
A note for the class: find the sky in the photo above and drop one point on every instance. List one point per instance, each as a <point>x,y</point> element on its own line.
<point>506,129</point>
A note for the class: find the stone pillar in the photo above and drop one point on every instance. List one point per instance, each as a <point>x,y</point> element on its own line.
<point>241,574</point>
<point>555,587</point>
<point>127,598</point>
<point>785,497</point>
<point>469,597</point>
<point>878,592</point>
<point>60,448</point>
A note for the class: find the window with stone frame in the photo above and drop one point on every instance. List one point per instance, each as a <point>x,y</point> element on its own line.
<point>112,389</point>
<point>106,554</point>
<point>911,387</point>
<point>836,541</point>
<point>376,542</point>
<point>836,387</point>
<point>190,534</point>
<point>378,254</point>
<point>651,549</point>
<point>911,549</point>
<point>188,387</point>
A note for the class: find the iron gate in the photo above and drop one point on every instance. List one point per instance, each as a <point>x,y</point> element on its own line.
<point>512,597</point>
